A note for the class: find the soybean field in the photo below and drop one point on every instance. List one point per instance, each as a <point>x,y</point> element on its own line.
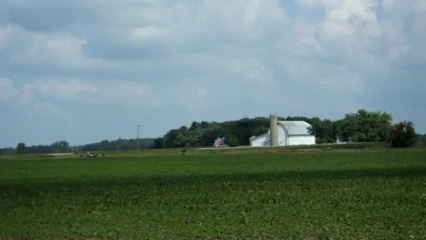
<point>208,194</point>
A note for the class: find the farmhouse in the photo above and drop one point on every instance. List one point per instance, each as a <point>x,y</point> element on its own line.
<point>284,133</point>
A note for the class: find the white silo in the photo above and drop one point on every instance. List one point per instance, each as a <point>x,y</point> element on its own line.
<point>274,130</point>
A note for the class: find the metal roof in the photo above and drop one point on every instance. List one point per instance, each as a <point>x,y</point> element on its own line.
<point>295,127</point>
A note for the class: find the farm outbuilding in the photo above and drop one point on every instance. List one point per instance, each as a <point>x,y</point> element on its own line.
<point>284,133</point>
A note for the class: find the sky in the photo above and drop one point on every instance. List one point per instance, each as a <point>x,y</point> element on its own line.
<point>85,71</point>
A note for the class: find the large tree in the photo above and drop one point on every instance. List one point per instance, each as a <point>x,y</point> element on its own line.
<point>60,146</point>
<point>21,148</point>
<point>364,126</point>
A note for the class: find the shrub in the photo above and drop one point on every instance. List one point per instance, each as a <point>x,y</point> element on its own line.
<point>232,140</point>
<point>402,135</point>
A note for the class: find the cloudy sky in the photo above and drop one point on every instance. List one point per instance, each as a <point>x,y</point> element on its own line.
<point>84,71</point>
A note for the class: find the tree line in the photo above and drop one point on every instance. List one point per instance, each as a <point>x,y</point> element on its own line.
<point>63,146</point>
<point>56,147</point>
<point>362,126</point>
<point>117,145</point>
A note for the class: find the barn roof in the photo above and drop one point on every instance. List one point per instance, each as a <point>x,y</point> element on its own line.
<point>296,127</point>
<point>253,138</point>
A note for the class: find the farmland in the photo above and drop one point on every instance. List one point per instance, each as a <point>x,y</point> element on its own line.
<point>367,193</point>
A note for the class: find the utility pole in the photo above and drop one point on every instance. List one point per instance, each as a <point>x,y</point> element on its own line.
<point>139,125</point>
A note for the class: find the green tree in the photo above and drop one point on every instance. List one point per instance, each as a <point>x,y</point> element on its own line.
<point>232,140</point>
<point>170,138</point>
<point>39,149</point>
<point>60,146</point>
<point>260,130</point>
<point>104,145</point>
<point>194,125</point>
<point>209,135</point>
<point>204,124</point>
<point>21,148</point>
<point>402,134</point>
<point>322,129</point>
<point>158,143</point>
<point>183,137</point>
<point>365,126</point>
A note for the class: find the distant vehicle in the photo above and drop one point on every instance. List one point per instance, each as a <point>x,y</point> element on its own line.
<point>92,155</point>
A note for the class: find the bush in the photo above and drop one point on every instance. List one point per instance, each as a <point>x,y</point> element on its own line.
<point>402,135</point>
<point>232,140</point>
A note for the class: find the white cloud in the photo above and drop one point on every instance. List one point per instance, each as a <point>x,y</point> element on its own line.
<point>238,22</point>
<point>147,33</point>
<point>200,56</point>
<point>189,97</point>
<point>346,19</point>
<point>251,69</point>
<point>341,83</point>
<point>77,90</point>
<point>344,10</point>
<point>62,89</point>
<point>338,31</point>
<point>49,51</point>
<point>363,10</point>
<point>129,93</point>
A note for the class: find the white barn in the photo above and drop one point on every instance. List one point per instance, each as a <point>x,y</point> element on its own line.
<point>284,133</point>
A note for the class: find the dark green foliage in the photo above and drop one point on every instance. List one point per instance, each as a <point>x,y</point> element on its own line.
<point>104,145</point>
<point>208,135</point>
<point>56,147</point>
<point>118,145</point>
<point>324,130</point>
<point>182,137</point>
<point>260,130</point>
<point>60,147</point>
<point>40,149</point>
<point>8,150</point>
<point>158,143</point>
<point>170,138</point>
<point>364,126</point>
<point>231,140</point>
<point>204,133</point>
<point>21,148</point>
<point>402,135</point>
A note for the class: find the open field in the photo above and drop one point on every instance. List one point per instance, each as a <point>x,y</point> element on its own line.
<point>372,193</point>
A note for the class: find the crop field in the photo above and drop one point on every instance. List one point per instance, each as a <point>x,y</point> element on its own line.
<point>264,194</point>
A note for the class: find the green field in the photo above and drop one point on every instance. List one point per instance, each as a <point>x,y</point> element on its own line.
<point>372,193</point>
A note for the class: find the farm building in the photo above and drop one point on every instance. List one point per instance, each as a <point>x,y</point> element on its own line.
<point>284,133</point>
